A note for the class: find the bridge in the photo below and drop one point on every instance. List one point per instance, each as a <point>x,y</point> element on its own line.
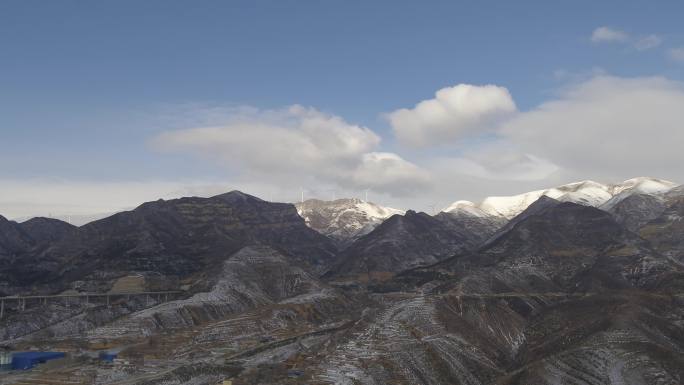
<point>20,302</point>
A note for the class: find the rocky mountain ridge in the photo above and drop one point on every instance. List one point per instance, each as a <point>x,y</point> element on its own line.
<point>563,292</point>
<point>343,220</point>
<point>175,238</point>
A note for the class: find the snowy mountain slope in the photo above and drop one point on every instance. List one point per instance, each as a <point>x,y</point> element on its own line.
<point>466,208</point>
<point>588,193</point>
<point>343,219</point>
<point>645,186</point>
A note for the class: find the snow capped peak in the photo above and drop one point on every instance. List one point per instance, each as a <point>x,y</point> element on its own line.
<point>587,192</point>
<point>463,204</point>
<point>368,209</point>
<point>509,206</point>
<point>371,210</point>
<point>645,185</point>
<point>344,219</point>
<point>641,185</point>
<point>584,192</point>
<point>466,208</point>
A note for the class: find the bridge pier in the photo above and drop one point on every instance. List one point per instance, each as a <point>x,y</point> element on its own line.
<point>460,304</point>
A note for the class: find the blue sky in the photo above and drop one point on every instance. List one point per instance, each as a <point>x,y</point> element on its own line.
<point>86,87</point>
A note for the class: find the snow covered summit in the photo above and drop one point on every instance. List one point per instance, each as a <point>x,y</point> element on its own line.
<point>343,219</point>
<point>586,192</point>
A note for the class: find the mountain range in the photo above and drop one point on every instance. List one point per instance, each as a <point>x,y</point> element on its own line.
<point>577,284</point>
<point>587,193</point>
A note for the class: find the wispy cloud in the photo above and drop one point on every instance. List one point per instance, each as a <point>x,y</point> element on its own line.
<point>296,144</point>
<point>608,35</point>
<point>603,35</point>
<point>607,126</point>
<point>648,42</point>
<point>676,54</point>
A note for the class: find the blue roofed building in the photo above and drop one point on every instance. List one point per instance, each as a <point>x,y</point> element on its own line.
<point>27,360</point>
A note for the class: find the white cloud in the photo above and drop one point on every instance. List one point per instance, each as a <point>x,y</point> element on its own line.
<point>498,161</point>
<point>389,170</point>
<point>454,112</point>
<point>648,42</point>
<point>599,127</point>
<point>281,140</point>
<point>604,127</point>
<point>676,54</point>
<point>608,35</point>
<point>607,126</point>
<point>297,143</point>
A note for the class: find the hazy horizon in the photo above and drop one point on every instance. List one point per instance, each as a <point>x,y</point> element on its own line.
<point>209,191</point>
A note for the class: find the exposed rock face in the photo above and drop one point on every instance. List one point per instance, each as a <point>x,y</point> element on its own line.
<point>343,220</point>
<point>666,231</point>
<point>175,238</point>
<point>636,210</point>
<point>407,241</point>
